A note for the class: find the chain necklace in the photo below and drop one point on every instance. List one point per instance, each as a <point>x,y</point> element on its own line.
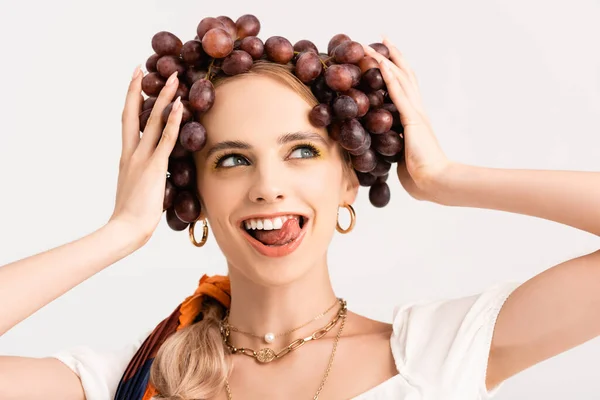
<point>342,315</point>
<point>269,337</point>
<point>266,354</point>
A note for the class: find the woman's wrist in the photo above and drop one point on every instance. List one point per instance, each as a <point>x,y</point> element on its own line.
<point>128,235</point>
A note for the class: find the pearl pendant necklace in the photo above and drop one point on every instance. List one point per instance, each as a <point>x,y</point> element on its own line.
<point>269,337</point>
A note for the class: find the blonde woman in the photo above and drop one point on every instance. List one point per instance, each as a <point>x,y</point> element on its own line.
<point>271,186</point>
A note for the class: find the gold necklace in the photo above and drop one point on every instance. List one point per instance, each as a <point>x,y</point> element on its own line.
<point>329,365</point>
<point>269,337</point>
<point>266,354</point>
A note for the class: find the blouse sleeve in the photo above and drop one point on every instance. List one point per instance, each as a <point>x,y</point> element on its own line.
<point>99,372</point>
<point>442,347</point>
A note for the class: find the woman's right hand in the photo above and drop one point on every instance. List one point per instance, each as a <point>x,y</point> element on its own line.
<point>143,164</point>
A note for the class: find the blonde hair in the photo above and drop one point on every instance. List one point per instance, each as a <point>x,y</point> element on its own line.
<point>192,363</point>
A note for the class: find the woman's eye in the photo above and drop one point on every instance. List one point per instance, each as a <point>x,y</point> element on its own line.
<point>232,161</point>
<point>303,152</point>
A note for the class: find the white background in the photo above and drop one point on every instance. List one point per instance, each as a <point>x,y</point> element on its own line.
<point>510,84</point>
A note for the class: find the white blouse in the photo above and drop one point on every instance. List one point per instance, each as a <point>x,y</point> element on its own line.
<point>441,351</point>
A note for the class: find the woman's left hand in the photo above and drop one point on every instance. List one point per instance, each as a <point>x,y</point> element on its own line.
<point>424,161</point>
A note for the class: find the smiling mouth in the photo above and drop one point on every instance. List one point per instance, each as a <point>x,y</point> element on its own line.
<point>275,232</point>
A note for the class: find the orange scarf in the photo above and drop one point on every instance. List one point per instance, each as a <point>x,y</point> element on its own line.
<point>135,383</point>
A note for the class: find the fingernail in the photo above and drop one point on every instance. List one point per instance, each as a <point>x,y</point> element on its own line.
<point>172,78</point>
<point>136,72</point>
<point>177,104</point>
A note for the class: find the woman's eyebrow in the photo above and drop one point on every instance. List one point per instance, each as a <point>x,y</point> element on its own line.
<point>283,139</point>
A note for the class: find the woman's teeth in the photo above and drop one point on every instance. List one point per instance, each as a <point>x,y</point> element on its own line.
<point>268,224</point>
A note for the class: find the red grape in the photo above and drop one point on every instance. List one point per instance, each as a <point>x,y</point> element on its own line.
<point>382,168</point>
<point>388,143</point>
<point>247,25</point>
<point>375,99</point>
<point>361,100</point>
<point>378,121</point>
<point>363,147</point>
<point>179,151</point>
<point>164,43</point>
<point>365,162</point>
<point>381,49</point>
<point>170,193</point>
<point>182,172</point>
<point>217,43</point>
<point>355,72</point>
<point>187,206</point>
<point>322,92</point>
<point>237,62</point>
<point>153,83</point>
<point>335,41</point>
<point>305,45</point>
<point>194,74</point>
<point>193,136</point>
<point>253,46</point>
<point>174,222</point>
<point>338,78</point>
<point>365,179</point>
<point>279,49</point>
<point>344,107</point>
<point>308,67</point>
<point>382,178</point>
<point>183,91</point>
<point>379,194</point>
<point>151,63</point>
<point>320,115</point>
<point>366,63</point>
<point>349,52</point>
<point>202,95</point>
<point>207,24</point>
<point>352,134</point>
<point>334,130</point>
<point>230,26</point>
<point>395,114</point>
<point>149,103</point>
<point>192,52</point>
<point>373,79</point>
<point>168,64</point>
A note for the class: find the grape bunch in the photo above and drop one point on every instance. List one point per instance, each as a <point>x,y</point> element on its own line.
<point>353,106</point>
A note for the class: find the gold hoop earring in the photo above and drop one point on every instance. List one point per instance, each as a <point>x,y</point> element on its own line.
<point>204,233</point>
<point>352,219</point>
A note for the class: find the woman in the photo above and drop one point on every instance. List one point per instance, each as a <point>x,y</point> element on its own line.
<point>267,165</point>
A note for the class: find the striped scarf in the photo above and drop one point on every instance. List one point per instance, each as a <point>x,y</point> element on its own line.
<point>134,384</point>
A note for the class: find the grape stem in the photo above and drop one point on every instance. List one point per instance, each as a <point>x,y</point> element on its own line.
<point>212,62</point>
<point>324,62</point>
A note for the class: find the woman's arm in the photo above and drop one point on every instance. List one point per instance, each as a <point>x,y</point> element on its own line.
<point>559,308</point>
<point>29,284</point>
<point>568,197</point>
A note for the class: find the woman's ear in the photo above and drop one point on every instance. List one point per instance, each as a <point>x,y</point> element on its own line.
<point>350,186</point>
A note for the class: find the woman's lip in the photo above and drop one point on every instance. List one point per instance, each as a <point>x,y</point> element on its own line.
<point>270,216</point>
<point>276,251</point>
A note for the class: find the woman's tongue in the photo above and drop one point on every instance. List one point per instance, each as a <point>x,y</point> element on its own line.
<point>278,237</point>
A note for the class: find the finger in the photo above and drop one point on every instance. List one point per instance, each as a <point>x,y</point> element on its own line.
<point>169,136</point>
<point>408,113</point>
<point>130,123</point>
<point>155,125</point>
<point>400,60</point>
<point>409,89</point>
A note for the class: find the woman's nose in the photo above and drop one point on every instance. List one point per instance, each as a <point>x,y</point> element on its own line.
<point>268,185</point>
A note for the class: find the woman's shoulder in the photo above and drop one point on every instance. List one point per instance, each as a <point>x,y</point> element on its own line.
<point>445,343</point>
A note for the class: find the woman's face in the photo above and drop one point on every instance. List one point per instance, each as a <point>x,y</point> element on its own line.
<point>265,166</point>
